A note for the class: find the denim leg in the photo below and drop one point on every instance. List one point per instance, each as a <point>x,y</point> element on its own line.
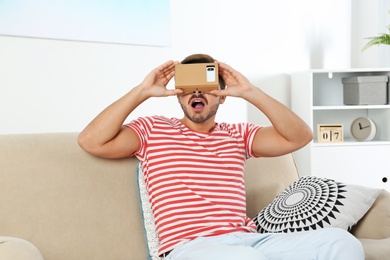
<point>323,244</point>
<point>226,247</point>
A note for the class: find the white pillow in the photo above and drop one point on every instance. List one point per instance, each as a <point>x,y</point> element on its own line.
<point>311,203</point>
<point>151,236</point>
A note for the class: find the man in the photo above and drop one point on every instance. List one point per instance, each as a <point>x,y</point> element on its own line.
<point>194,169</point>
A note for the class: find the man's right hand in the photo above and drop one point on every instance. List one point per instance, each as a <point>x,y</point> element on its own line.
<point>155,83</point>
<point>106,136</point>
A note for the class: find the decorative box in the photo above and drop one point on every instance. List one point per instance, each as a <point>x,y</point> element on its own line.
<point>365,90</point>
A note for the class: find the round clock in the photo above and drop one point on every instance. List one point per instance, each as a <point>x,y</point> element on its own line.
<point>363,129</point>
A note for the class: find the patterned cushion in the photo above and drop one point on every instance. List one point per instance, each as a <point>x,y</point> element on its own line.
<point>311,203</point>
<point>151,237</point>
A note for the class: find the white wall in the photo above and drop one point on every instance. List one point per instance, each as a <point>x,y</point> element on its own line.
<point>57,86</point>
<point>370,19</point>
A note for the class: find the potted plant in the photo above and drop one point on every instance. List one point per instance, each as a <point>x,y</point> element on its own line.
<point>383,38</point>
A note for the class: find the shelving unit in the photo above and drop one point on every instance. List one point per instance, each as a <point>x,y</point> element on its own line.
<point>317,97</point>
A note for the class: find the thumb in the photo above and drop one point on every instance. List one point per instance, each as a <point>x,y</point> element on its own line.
<point>173,92</point>
<point>223,92</point>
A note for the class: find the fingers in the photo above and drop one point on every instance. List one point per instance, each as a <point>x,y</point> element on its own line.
<point>168,65</point>
<point>167,69</point>
<point>173,92</point>
<point>223,92</point>
<point>227,71</point>
<point>224,68</point>
<point>164,73</point>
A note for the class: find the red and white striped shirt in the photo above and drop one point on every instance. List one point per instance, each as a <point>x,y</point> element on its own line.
<point>195,180</point>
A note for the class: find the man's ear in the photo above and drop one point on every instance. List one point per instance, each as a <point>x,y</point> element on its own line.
<point>222,99</point>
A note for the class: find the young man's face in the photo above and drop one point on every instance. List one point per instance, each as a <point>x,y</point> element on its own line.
<point>200,107</point>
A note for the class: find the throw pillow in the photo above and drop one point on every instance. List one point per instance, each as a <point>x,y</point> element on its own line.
<point>311,203</point>
<point>151,237</point>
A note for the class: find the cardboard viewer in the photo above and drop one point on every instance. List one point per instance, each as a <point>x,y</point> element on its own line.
<point>201,77</point>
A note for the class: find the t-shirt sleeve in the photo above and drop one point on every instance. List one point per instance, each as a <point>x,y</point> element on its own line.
<point>249,132</point>
<point>142,127</point>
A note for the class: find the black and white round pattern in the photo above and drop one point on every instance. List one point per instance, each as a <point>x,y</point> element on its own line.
<point>307,204</point>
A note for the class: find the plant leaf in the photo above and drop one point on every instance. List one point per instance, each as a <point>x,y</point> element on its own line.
<point>383,38</point>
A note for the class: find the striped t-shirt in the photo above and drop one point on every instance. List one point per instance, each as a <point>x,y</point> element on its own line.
<point>195,180</point>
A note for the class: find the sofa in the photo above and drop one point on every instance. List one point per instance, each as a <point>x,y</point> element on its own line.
<point>72,205</point>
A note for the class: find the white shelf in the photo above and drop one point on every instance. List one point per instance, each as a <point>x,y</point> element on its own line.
<point>350,107</point>
<point>351,143</point>
<point>317,97</point>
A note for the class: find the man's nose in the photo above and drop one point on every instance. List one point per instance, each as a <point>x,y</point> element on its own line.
<point>197,94</point>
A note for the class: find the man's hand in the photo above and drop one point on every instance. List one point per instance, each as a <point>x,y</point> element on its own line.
<point>155,83</point>
<point>106,136</point>
<point>237,84</point>
<point>287,133</point>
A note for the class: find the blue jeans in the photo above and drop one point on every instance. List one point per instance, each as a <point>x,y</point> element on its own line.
<point>324,244</point>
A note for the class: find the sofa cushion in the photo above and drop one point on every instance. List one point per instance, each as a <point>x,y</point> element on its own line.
<point>376,249</point>
<point>376,222</point>
<point>311,203</point>
<point>150,233</point>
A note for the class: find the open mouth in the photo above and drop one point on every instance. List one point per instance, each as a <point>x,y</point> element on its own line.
<point>197,103</point>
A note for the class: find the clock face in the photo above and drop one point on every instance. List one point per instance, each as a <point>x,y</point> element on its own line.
<point>363,129</point>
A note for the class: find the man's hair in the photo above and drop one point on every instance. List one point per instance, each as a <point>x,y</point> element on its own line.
<point>203,58</point>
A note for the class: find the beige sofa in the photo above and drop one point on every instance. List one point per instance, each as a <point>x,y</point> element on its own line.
<point>72,205</point>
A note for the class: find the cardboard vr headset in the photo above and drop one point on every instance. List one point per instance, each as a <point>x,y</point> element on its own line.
<point>201,77</point>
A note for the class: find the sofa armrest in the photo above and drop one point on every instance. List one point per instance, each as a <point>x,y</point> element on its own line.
<point>376,249</point>
<point>376,222</point>
<point>18,249</point>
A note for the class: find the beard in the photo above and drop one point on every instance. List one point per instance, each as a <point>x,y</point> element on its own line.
<point>198,118</point>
